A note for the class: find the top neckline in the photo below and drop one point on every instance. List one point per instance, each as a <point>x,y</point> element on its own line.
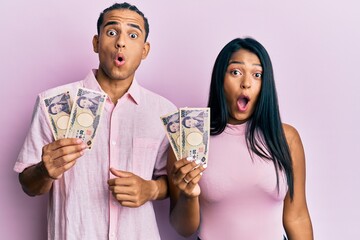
<point>238,129</point>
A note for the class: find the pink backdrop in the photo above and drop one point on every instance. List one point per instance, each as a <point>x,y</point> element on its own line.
<point>315,51</point>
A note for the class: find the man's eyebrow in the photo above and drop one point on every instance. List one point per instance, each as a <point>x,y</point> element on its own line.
<point>134,26</point>
<point>111,23</point>
<point>129,24</point>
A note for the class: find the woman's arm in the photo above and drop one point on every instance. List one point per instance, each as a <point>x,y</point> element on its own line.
<point>296,217</point>
<point>183,176</point>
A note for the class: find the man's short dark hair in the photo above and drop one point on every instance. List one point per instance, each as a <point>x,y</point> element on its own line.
<point>124,5</point>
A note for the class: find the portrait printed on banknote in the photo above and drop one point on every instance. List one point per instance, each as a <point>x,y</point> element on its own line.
<point>171,124</point>
<point>58,113</point>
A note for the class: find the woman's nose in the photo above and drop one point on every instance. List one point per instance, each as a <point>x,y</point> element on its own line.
<point>246,82</point>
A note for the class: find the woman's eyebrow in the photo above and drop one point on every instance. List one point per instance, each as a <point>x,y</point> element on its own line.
<point>238,62</point>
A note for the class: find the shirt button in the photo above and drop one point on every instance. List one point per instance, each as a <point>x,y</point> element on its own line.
<point>113,142</point>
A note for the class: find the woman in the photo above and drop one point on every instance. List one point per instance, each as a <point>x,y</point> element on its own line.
<point>254,185</point>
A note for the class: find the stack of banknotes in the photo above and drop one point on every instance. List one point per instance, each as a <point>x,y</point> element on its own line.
<point>188,131</point>
<point>75,118</point>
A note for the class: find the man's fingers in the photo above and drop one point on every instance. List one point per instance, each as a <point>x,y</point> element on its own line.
<point>59,166</point>
<point>62,143</point>
<point>120,173</point>
<point>127,200</point>
<point>68,150</point>
<point>123,197</point>
<point>126,182</point>
<point>64,160</point>
<point>123,190</point>
<point>130,204</point>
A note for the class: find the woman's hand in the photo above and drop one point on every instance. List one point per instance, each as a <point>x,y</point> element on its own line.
<point>185,175</point>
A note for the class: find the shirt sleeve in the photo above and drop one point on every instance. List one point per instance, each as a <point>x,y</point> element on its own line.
<point>161,159</point>
<point>39,135</point>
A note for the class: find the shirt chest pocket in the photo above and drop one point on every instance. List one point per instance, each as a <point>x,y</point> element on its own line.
<point>144,154</point>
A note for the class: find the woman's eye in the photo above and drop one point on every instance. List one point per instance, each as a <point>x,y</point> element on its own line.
<point>133,35</point>
<point>111,33</point>
<point>235,72</point>
<point>258,75</point>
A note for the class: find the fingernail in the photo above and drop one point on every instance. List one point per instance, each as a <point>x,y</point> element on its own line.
<point>190,158</point>
<point>79,141</point>
<point>201,174</point>
<point>197,161</point>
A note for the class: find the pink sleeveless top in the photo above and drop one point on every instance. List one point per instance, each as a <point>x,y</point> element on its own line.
<point>239,199</point>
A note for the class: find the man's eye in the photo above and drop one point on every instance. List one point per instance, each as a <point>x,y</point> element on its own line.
<point>258,75</point>
<point>111,33</point>
<point>133,35</point>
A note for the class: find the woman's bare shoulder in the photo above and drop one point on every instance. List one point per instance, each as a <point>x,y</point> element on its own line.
<point>291,133</point>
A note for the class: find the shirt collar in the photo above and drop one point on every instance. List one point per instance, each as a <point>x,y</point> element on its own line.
<point>90,81</point>
<point>133,92</point>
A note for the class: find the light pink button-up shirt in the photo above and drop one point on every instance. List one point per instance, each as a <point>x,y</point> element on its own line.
<point>130,137</point>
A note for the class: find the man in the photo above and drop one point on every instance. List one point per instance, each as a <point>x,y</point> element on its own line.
<point>105,192</point>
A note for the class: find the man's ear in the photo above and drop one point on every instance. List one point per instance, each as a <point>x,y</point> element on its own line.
<point>146,50</point>
<point>95,42</point>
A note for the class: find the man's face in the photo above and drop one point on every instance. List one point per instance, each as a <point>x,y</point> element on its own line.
<point>56,108</point>
<point>174,127</point>
<point>121,44</point>
<point>191,123</point>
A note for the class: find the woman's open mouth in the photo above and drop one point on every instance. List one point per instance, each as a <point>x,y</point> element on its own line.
<point>242,103</point>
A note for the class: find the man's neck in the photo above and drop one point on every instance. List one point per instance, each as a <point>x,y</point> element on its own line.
<point>115,89</point>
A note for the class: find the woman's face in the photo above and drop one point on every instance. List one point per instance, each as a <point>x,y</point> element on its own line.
<point>242,85</point>
<point>85,103</point>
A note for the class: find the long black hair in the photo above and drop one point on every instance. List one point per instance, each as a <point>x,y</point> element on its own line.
<point>264,134</point>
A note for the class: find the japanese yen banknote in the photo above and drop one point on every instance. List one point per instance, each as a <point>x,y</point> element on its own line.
<point>195,133</point>
<point>172,129</point>
<point>85,115</point>
<point>58,113</point>
<point>188,131</point>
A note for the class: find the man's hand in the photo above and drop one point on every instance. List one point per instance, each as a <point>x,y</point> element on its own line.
<point>131,190</point>
<point>60,156</point>
<point>57,157</point>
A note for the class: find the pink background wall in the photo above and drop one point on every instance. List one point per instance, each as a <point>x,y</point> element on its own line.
<point>315,51</point>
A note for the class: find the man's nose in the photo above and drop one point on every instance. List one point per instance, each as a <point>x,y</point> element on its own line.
<point>120,43</point>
